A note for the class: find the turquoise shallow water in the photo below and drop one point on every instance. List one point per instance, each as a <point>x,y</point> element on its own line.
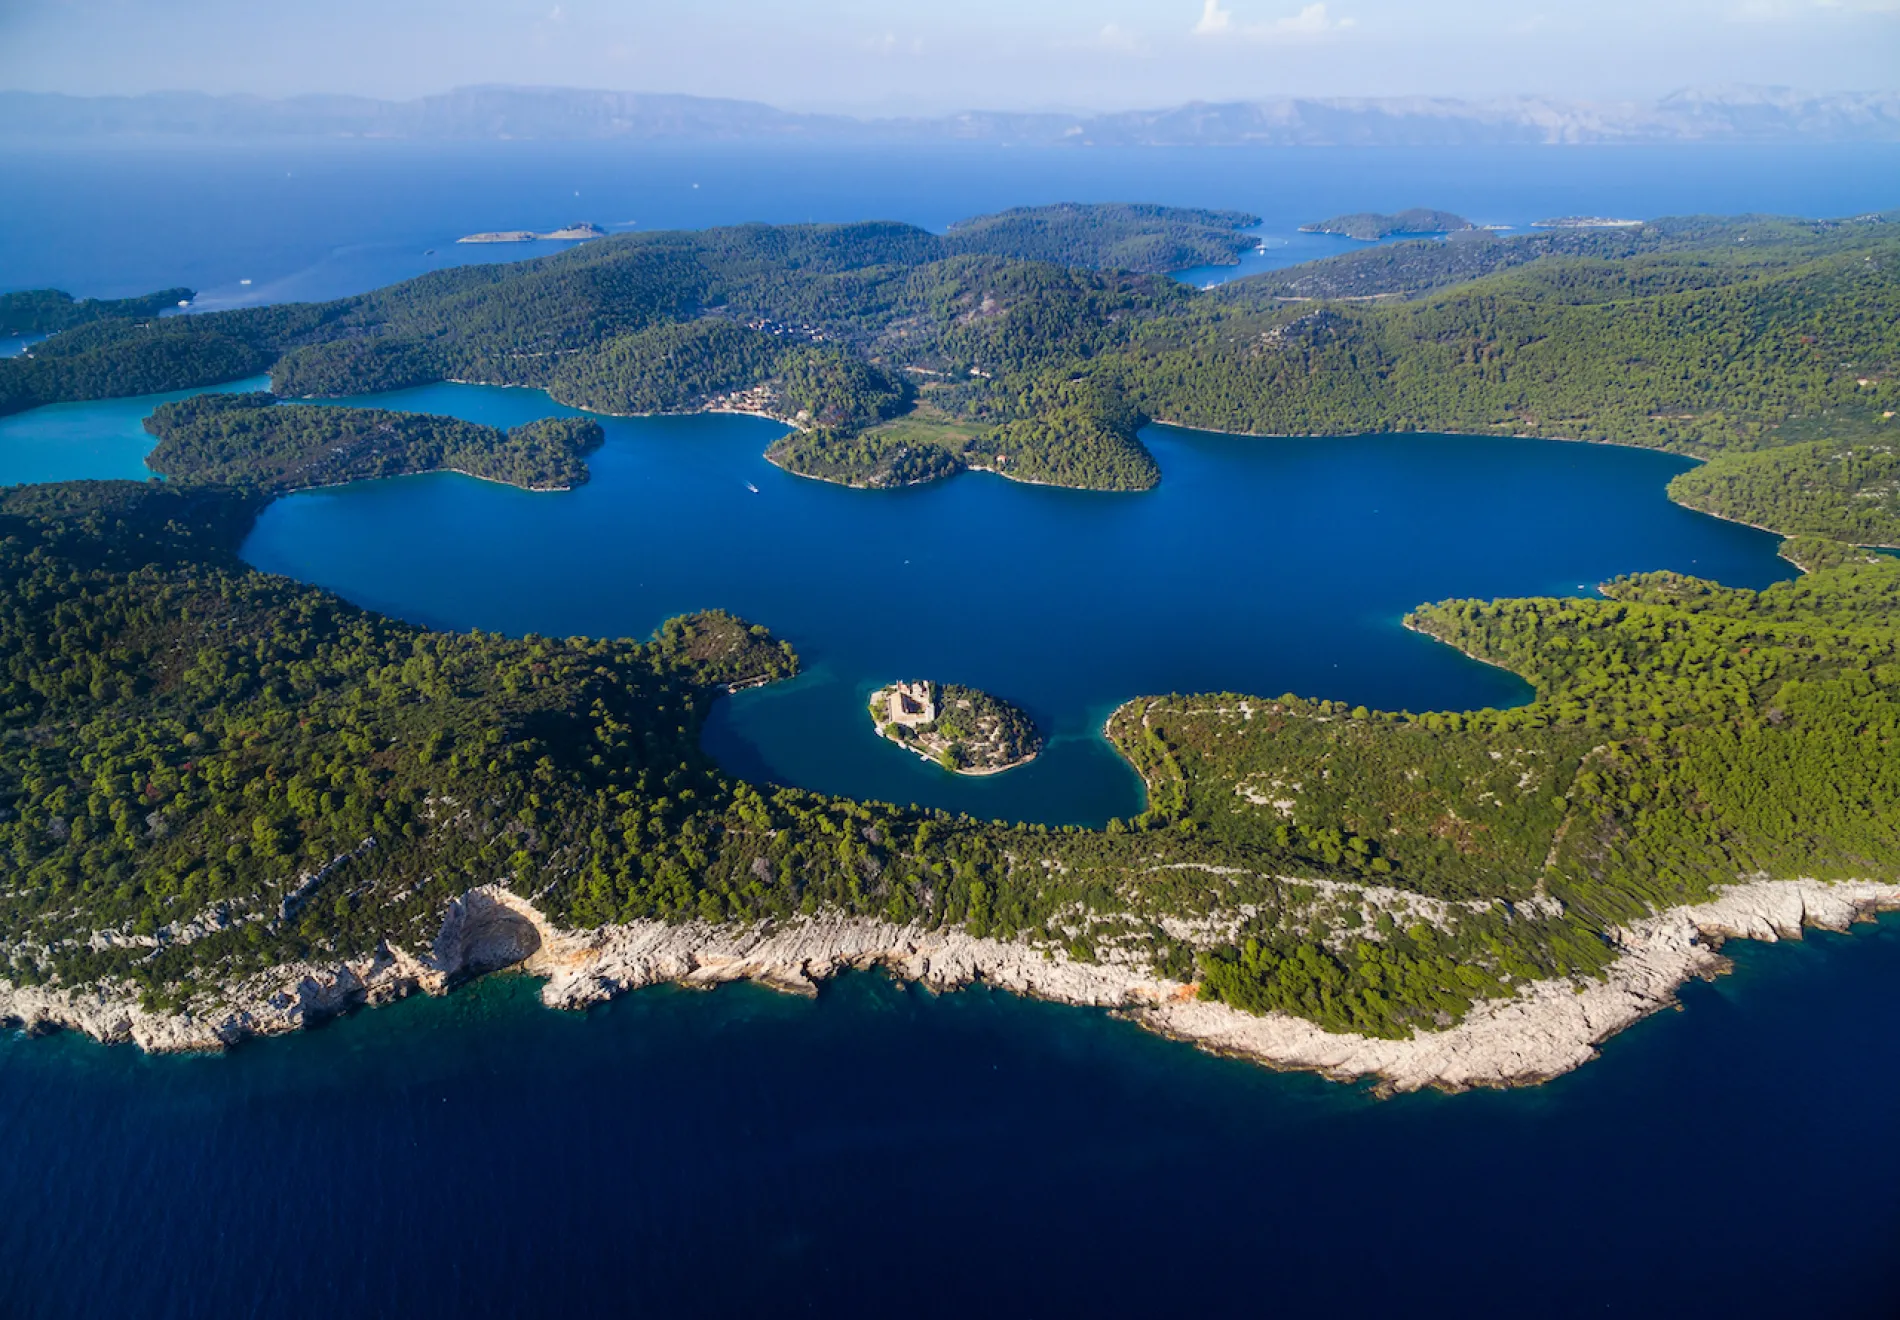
<point>880,1149</point>
<point>74,441</point>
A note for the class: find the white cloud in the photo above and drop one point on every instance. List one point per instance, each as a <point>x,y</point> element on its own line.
<point>1770,11</point>
<point>1312,21</point>
<point>1214,20</point>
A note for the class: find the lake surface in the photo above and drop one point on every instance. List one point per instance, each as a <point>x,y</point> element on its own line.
<point>1258,566</point>
<point>881,1149</point>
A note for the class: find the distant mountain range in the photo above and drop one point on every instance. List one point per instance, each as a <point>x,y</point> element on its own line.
<point>1738,115</point>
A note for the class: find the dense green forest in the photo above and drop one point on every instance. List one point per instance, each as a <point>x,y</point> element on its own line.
<point>1371,226</point>
<point>1687,346</point>
<point>251,440</point>
<point>48,311</point>
<point>1844,492</point>
<point>871,459</point>
<point>1110,236</point>
<point>263,772</point>
<point>1701,335</point>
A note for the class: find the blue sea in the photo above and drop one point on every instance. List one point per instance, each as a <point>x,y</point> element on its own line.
<point>880,1148</point>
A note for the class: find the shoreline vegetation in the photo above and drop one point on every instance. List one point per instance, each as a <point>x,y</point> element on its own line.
<point>1371,227</point>
<point>1544,1030</point>
<point>250,440</point>
<point>230,802</point>
<point>965,731</point>
<point>1042,333</point>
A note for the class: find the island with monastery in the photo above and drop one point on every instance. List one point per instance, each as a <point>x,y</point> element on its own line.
<point>965,731</point>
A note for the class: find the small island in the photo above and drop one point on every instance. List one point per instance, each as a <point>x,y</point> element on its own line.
<point>1370,227</point>
<point>574,231</point>
<point>961,729</point>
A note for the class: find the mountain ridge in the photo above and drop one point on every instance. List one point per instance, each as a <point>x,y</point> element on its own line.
<point>1742,115</point>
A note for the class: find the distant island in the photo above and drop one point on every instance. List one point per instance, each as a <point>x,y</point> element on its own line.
<point>961,729</point>
<point>1142,239</point>
<point>1370,226</point>
<point>576,231</point>
<point>1585,222</point>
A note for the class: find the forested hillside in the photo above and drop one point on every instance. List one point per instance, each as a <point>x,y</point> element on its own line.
<point>1110,236</point>
<point>1699,335</point>
<point>1845,492</point>
<point>1682,348</point>
<point>48,311</point>
<point>206,770</point>
<point>248,440</point>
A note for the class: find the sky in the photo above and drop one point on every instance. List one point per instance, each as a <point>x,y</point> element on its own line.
<point>929,56</point>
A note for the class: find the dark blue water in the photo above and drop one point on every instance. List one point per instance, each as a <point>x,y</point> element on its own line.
<point>304,221</point>
<point>880,1149</point>
<point>883,1151</point>
<point>1260,566</point>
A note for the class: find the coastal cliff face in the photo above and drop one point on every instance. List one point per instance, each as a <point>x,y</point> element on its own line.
<point>1549,1028</point>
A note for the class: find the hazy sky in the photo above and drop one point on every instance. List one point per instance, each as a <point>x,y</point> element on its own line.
<point>896,55</point>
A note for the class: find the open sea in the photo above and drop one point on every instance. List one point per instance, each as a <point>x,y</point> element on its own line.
<point>882,1149</point>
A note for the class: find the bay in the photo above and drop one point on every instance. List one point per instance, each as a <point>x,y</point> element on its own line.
<point>1257,566</point>
<point>880,1148</point>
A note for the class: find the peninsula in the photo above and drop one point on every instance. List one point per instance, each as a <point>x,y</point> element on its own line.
<point>249,440</point>
<point>574,231</point>
<point>963,730</point>
<point>231,803</point>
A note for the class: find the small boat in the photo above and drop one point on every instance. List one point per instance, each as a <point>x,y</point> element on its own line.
<point>754,489</point>
<point>243,281</point>
<point>428,252</point>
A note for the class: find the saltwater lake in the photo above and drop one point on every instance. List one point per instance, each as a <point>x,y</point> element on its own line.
<point>1258,566</point>
<point>881,1148</point>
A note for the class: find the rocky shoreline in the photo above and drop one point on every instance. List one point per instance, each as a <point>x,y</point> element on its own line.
<point>1548,1029</point>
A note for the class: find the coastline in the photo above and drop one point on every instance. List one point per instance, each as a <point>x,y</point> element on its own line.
<point>922,755</point>
<point>1549,1028</point>
<point>1772,531</point>
<point>973,774</point>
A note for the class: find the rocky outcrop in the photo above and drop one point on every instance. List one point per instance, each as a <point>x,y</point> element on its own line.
<point>1549,1028</point>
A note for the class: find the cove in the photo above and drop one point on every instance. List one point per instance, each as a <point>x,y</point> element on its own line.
<point>1258,565</point>
<point>97,440</point>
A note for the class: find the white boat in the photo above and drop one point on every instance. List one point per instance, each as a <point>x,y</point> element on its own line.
<point>754,489</point>
<point>243,281</point>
